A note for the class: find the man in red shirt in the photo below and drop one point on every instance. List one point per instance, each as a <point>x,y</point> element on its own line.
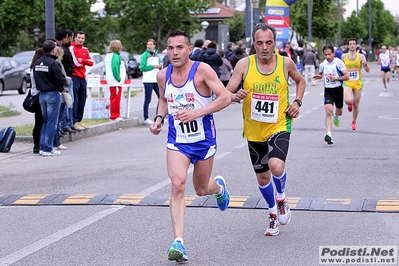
<point>81,59</point>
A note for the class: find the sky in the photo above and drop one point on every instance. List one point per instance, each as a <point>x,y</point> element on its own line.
<point>390,5</point>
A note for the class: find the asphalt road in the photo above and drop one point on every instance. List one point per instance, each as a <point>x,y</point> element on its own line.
<point>361,166</point>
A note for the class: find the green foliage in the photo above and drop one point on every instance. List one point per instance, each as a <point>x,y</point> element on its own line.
<point>18,21</point>
<point>325,26</point>
<point>353,27</point>
<point>237,26</point>
<point>324,20</point>
<point>383,23</point>
<point>141,20</point>
<point>7,111</point>
<point>131,21</point>
<point>16,17</point>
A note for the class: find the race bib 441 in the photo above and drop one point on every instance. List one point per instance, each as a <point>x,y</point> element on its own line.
<point>264,107</point>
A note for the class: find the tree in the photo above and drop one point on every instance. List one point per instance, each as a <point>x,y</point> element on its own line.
<point>14,18</point>
<point>141,20</point>
<point>237,26</point>
<point>353,27</point>
<point>383,23</point>
<point>19,20</point>
<point>324,18</point>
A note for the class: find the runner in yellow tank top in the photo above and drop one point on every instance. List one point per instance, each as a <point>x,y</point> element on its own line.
<point>354,67</point>
<point>268,116</point>
<point>353,87</point>
<point>264,112</point>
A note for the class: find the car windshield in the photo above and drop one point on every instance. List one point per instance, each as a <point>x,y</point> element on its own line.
<point>23,59</point>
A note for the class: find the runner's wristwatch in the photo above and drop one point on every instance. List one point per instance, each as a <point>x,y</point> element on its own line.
<point>299,102</point>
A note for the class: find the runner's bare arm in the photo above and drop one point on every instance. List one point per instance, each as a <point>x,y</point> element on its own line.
<point>156,127</point>
<point>206,79</point>
<point>236,79</point>
<point>291,71</point>
<point>363,61</point>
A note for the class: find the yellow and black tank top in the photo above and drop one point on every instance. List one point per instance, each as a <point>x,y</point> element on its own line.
<point>268,98</point>
<point>354,68</point>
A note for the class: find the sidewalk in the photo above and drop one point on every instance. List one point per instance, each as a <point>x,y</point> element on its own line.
<point>23,144</point>
<point>26,118</point>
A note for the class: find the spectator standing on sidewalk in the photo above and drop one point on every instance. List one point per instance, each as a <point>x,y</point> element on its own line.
<point>59,53</point>
<point>150,64</point>
<point>49,81</point>
<point>225,69</point>
<point>309,63</point>
<point>201,53</point>
<point>37,127</point>
<point>81,59</point>
<point>115,74</point>
<point>196,50</point>
<point>239,54</point>
<point>213,58</point>
<point>231,47</point>
<point>66,122</point>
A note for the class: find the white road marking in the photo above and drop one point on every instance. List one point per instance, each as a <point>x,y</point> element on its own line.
<point>239,146</point>
<point>388,117</point>
<point>385,94</point>
<point>294,94</point>
<point>160,185</point>
<point>166,182</point>
<point>221,155</point>
<point>42,243</point>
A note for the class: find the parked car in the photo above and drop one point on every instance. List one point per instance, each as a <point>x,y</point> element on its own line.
<point>132,66</point>
<point>24,59</point>
<point>98,67</point>
<point>12,76</point>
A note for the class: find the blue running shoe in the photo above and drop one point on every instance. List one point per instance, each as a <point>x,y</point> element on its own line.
<point>223,199</point>
<point>177,252</point>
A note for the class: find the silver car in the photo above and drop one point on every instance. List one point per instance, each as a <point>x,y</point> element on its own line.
<point>98,67</point>
<point>12,76</point>
<point>24,59</point>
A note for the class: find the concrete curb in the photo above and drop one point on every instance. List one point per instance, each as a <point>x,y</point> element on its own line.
<point>92,131</point>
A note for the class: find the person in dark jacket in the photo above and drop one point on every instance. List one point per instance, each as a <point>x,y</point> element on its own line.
<point>213,58</point>
<point>38,110</point>
<point>66,122</point>
<point>196,50</point>
<point>239,53</point>
<point>49,80</point>
<point>201,53</point>
<point>231,47</point>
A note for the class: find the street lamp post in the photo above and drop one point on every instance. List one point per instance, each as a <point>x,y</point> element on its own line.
<point>339,22</point>
<point>204,25</point>
<point>254,6</point>
<point>36,32</point>
<point>309,22</point>
<point>370,30</point>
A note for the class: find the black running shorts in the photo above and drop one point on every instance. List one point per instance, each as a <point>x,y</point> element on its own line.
<point>275,147</point>
<point>334,96</point>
